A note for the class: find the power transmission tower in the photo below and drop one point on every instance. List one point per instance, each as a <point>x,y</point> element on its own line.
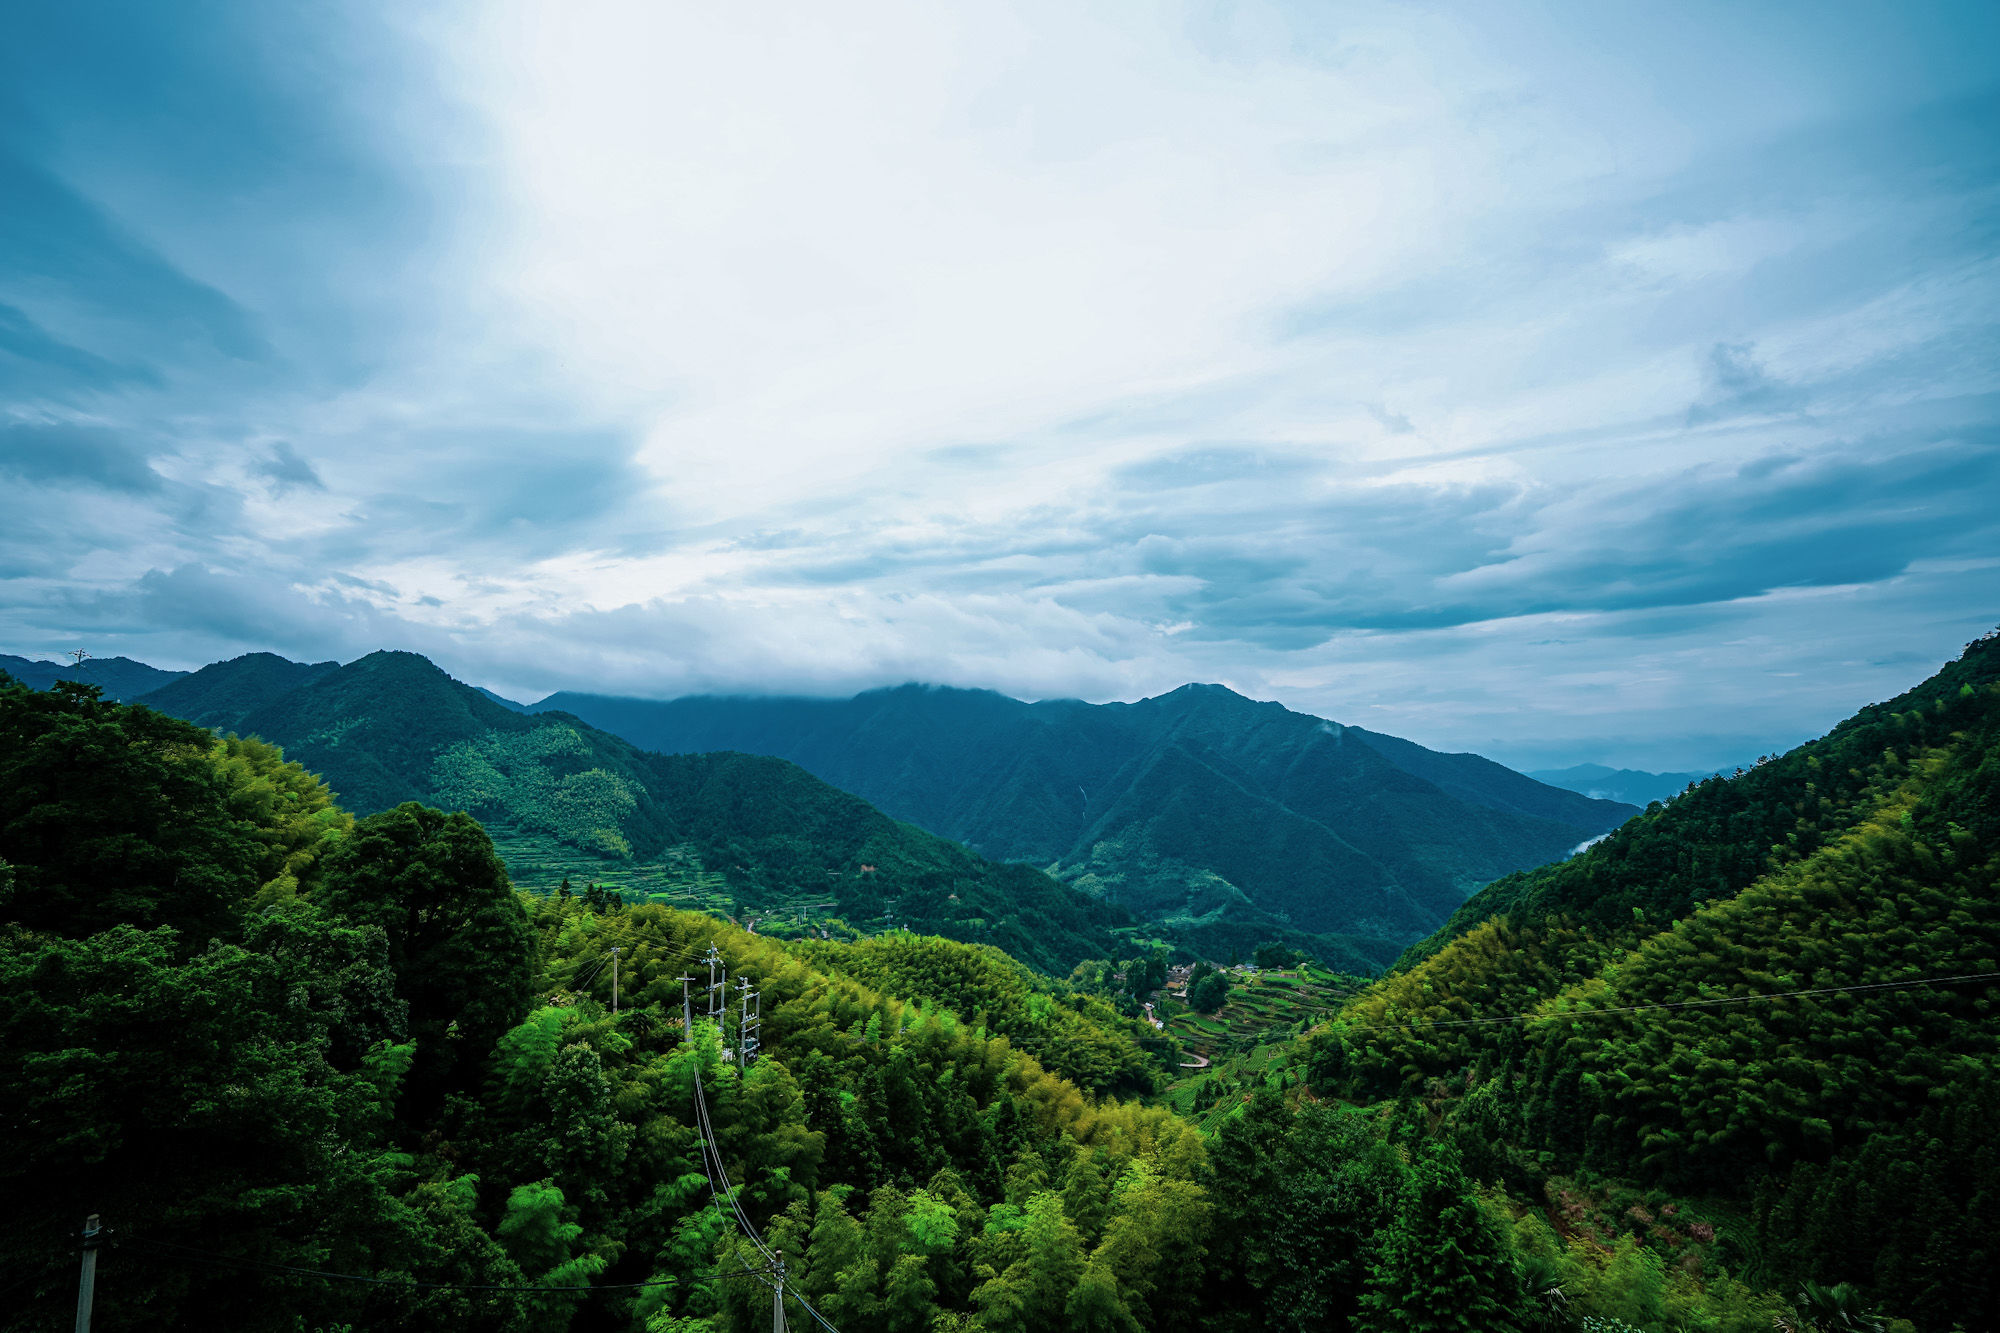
<point>77,656</point>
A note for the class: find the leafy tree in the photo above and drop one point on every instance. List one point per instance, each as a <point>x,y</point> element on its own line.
<point>113,815</point>
<point>1209,992</point>
<point>1273,957</point>
<point>192,1099</point>
<point>1440,1266</point>
<point>459,942</point>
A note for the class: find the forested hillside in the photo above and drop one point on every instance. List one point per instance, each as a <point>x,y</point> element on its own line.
<point>221,695</point>
<point>1227,821</point>
<point>317,1072</point>
<point>392,727</point>
<point>1611,1014</point>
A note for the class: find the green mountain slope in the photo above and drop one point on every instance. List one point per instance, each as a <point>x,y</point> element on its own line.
<point>222,694</point>
<point>1202,809</point>
<point>1608,1013</point>
<point>764,834</point>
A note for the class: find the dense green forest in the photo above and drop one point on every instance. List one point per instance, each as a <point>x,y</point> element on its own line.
<point>1603,1016</point>
<point>767,839</point>
<point>279,1050</point>
<point>1220,820</point>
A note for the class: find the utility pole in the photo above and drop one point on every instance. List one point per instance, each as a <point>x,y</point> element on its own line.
<point>614,979</point>
<point>687,1008</point>
<point>718,984</point>
<point>747,1023</point>
<point>86,1289</point>
<point>778,1300</point>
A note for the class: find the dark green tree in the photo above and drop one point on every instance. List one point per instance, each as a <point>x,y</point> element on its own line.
<point>114,815</point>
<point>1440,1266</point>
<point>459,941</point>
<point>1209,993</point>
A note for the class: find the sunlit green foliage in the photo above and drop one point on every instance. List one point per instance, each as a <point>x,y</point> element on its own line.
<point>1609,1017</point>
<point>1075,1034</point>
<point>544,780</point>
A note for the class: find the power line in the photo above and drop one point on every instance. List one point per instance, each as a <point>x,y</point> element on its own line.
<point>714,1167</point>
<point>794,1294</point>
<point>211,1256</point>
<point>712,1149</point>
<point>1536,1016</point>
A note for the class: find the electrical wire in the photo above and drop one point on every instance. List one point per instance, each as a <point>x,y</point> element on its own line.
<point>809,1310</point>
<point>211,1256</point>
<point>590,971</point>
<point>713,1167</point>
<point>1538,1016</point>
<point>712,1149</point>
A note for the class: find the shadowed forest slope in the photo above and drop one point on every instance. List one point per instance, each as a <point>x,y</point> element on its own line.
<point>1199,808</point>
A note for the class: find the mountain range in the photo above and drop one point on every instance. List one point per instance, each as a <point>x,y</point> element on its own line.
<point>119,678</point>
<point>751,831</point>
<point>1201,809</point>
<point>1222,822</point>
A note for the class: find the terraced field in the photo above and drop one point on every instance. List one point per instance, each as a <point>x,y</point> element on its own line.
<point>1248,1038</point>
<point>1263,1007</point>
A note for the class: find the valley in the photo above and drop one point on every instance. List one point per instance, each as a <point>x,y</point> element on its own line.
<point>1648,1077</point>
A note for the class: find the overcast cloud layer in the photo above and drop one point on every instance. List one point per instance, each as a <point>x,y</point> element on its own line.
<point>1568,382</point>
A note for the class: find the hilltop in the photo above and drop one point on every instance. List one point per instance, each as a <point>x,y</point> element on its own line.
<point>119,678</point>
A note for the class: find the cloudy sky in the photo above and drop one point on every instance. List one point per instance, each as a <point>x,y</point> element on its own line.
<point>1567,382</point>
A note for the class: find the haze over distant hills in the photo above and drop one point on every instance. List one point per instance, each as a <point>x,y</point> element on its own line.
<point>1201,808</point>
<point>1630,785</point>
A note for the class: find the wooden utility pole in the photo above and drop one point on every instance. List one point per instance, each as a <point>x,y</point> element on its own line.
<point>86,1289</point>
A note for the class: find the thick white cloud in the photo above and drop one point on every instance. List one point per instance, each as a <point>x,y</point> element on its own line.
<point>1534,380</point>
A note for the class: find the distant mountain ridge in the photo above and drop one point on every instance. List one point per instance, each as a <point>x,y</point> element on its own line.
<point>1226,822</point>
<point>1629,785</point>
<point>1199,808</point>
<point>120,678</point>
<point>222,694</point>
<point>393,727</point>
